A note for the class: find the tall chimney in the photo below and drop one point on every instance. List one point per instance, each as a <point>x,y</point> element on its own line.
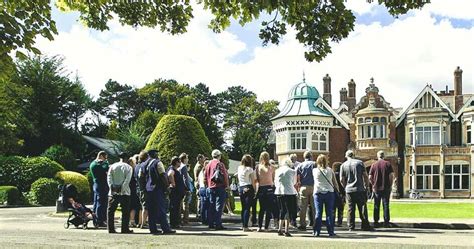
<point>343,94</point>
<point>351,99</point>
<point>327,89</point>
<point>458,81</point>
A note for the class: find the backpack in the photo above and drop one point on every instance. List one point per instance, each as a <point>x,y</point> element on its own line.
<point>142,176</point>
<point>217,176</point>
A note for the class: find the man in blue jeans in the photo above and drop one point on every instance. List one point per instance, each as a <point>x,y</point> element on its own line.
<point>381,177</point>
<point>217,180</point>
<point>99,168</point>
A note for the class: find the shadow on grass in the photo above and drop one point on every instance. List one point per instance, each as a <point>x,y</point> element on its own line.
<point>362,236</point>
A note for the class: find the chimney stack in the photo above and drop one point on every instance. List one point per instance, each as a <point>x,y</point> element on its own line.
<point>458,81</point>
<point>343,94</point>
<point>351,98</point>
<point>327,89</point>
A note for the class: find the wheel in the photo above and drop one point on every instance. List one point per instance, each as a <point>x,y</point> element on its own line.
<point>66,225</point>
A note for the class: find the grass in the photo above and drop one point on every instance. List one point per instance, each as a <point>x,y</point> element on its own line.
<point>417,210</point>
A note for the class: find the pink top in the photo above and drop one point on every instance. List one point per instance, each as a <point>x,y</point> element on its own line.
<point>265,175</point>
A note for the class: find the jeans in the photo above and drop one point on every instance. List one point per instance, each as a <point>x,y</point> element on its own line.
<point>385,197</point>
<point>176,199</point>
<point>114,201</point>
<point>326,199</point>
<point>247,194</point>
<point>203,205</point>
<point>217,202</point>
<point>268,205</point>
<point>358,199</point>
<point>157,210</point>
<point>100,201</point>
<point>339,203</point>
<point>306,199</point>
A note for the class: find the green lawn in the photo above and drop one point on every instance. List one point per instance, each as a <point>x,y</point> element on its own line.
<point>418,210</point>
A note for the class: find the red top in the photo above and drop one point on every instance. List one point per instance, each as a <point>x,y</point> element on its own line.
<point>380,172</point>
<point>210,168</point>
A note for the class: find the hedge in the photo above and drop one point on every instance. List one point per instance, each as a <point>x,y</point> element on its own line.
<point>22,172</point>
<point>44,191</point>
<point>175,134</point>
<point>78,180</point>
<point>61,155</point>
<point>10,195</point>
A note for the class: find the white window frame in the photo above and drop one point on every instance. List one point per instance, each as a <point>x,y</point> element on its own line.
<point>427,132</point>
<point>299,138</point>
<point>318,140</point>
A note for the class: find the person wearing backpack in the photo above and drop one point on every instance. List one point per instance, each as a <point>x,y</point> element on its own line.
<point>217,180</point>
<point>140,177</point>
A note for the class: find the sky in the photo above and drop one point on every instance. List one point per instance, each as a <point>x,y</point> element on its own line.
<point>402,54</point>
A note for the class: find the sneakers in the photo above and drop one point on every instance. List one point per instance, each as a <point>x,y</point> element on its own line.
<point>315,234</point>
<point>260,229</point>
<point>246,229</point>
<point>287,234</point>
<point>280,233</point>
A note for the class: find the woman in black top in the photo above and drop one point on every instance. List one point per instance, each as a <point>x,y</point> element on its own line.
<point>177,192</point>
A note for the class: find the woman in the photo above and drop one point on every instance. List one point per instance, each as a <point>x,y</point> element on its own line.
<point>285,181</point>
<point>340,201</point>
<point>253,207</point>
<point>135,206</point>
<point>247,185</point>
<point>177,192</point>
<point>265,175</point>
<point>324,186</point>
<point>203,197</point>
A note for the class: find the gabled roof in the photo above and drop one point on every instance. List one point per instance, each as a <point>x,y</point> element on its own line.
<point>328,108</point>
<point>467,104</point>
<point>107,145</point>
<point>342,107</point>
<point>425,90</point>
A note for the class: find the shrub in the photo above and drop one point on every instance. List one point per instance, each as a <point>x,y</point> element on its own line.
<point>78,180</point>
<point>44,191</point>
<point>10,195</point>
<point>22,172</point>
<point>175,134</point>
<point>61,155</point>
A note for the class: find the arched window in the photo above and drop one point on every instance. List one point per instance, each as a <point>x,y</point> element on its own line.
<point>383,120</point>
<point>375,120</point>
<point>368,120</point>
<point>360,120</point>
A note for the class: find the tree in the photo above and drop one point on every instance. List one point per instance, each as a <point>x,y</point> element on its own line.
<point>227,100</point>
<point>62,155</point>
<point>161,94</point>
<point>147,121</point>
<point>316,22</point>
<point>132,139</point>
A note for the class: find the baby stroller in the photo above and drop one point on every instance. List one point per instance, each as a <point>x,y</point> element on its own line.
<point>79,214</point>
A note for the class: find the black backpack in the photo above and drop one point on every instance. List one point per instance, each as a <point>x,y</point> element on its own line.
<point>142,176</point>
<point>217,176</point>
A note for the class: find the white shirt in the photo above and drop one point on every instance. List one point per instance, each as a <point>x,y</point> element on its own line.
<point>201,182</point>
<point>120,173</point>
<point>285,180</point>
<point>321,185</point>
<point>246,175</point>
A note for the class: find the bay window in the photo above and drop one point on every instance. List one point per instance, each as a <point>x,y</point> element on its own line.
<point>298,141</point>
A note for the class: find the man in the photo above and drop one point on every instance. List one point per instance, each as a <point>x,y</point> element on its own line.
<point>99,168</point>
<point>217,180</point>
<point>294,160</point>
<point>118,180</point>
<point>183,169</point>
<point>197,169</point>
<point>305,182</point>
<point>140,178</point>
<point>156,185</point>
<point>355,180</point>
<point>381,178</point>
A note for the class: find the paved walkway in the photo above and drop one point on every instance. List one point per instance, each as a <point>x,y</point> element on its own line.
<point>34,228</point>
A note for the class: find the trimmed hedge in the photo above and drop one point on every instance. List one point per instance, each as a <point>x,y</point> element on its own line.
<point>10,195</point>
<point>62,155</point>
<point>175,134</point>
<point>78,180</point>
<point>22,172</point>
<point>44,191</point>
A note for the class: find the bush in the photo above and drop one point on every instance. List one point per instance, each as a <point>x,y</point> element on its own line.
<point>10,195</point>
<point>22,172</point>
<point>61,155</point>
<point>44,191</point>
<point>78,180</point>
<point>175,134</point>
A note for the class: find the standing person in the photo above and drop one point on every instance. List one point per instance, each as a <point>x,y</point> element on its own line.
<point>381,177</point>
<point>325,187</point>
<point>118,179</point>
<point>197,169</point>
<point>99,168</point>
<point>247,184</point>
<point>135,206</point>
<point>183,169</point>
<point>140,177</point>
<point>203,195</point>
<point>253,207</point>
<point>156,186</point>
<point>340,201</point>
<point>305,183</point>
<point>177,192</point>
<point>285,181</point>
<point>294,161</point>
<point>355,180</point>
<point>217,180</point>
<point>266,190</point>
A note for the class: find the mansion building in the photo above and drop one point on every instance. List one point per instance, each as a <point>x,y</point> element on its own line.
<point>429,144</point>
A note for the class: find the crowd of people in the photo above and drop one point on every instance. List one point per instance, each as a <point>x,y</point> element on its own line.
<point>146,190</point>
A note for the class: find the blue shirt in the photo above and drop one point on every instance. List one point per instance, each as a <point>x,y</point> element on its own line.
<point>305,171</point>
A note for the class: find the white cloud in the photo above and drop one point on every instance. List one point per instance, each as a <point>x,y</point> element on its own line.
<point>461,9</point>
<point>402,57</point>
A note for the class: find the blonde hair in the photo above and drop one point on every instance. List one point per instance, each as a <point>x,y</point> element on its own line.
<point>265,158</point>
<point>322,161</point>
